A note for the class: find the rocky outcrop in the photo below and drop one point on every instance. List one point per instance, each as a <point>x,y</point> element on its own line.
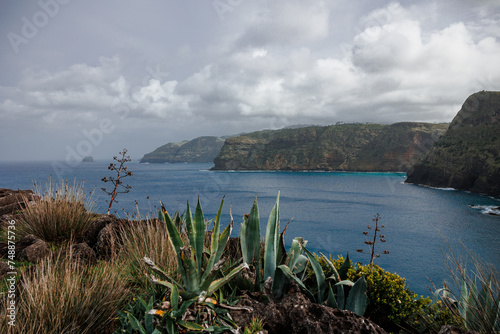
<point>297,314</point>
<point>467,157</point>
<point>201,149</point>
<point>343,147</point>
<point>12,200</point>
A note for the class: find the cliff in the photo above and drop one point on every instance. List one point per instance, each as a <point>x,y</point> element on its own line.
<point>201,149</point>
<point>467,157</point>
<point>345,147</point>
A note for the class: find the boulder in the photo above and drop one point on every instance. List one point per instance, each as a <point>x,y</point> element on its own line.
<point>110,239</point>
<point>35,252</point>
<point>297,314</point>
<point>100,221</point>
<point>82,253</point>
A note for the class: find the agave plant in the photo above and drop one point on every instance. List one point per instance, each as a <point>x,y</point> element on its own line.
<point>478,305</point>
<point>284,267</point>
<point>199,277</point>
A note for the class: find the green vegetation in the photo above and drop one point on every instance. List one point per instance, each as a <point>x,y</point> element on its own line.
<point>201,149</point>
<point>58,213</point>
<point>476,305</point>
<point>346,147</point>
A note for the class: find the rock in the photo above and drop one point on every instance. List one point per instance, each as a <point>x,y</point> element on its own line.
<point>12,200</point>
<point>82,254</point>
<point>466,157</point>
<point>91,235</point>
<point>28,240</point>
<point>88,159</point>
<point>110,239</point>
<point>454,330</point>
<point>297,314</point>
<point>35,252</point>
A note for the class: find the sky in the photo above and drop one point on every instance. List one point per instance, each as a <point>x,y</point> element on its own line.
<point>93,77</point>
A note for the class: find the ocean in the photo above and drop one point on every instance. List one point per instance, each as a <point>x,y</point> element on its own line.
<point>329,209</point>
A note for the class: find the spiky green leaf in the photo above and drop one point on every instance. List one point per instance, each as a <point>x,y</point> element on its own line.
<point>320,276</point>
<point>357,301</point>
<point>271,242</point>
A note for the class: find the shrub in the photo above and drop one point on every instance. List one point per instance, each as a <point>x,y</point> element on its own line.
<point>58,213</point>
<point>60,296</point>
<point>391,303</point>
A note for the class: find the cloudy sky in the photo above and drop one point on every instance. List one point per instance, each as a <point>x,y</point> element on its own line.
<point>93,77</point>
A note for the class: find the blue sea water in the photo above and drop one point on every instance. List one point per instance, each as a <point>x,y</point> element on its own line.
<point>329,209</point>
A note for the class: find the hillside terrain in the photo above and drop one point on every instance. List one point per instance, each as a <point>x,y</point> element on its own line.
<point>468,156</point>
<point>344,147</point>
<point>201,149</point>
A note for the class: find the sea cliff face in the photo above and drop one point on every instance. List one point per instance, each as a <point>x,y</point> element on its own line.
<point>467,157</point>
<point>201,149</point>
<point>345,147</point>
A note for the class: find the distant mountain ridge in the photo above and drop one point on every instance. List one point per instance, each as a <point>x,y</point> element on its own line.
<point>467,157</point>
<point>347,147</point>
<point>201,149</point>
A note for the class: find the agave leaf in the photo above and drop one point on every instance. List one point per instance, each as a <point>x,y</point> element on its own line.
<point>191,325</point>
<point>135,324</point>
<point>153,266</point>
<point>357,299</point>
<point>175,240</point>
<point>332,267</point>
<point>330,300</point>
<point>291,275</point>
<point>300,264</point>
<point>217,284</point>
<point>189,225</point>
<point>199,235</point>
<point>169,325</point>
<point>243,239</point>
<point>345,282</point>
<point>183,308</point>
<point>279,283</point>
<point>224,237</point>
<point>295,252</point>
<point>320,276</point>
<point>345,268</point>
<point>214,245</point>
<point>271,242</point>
<point>174,298</point>
<point>148,323</point>
<point>209,271</point>
<point>281,254</point>
<point>188,264</point>
<point>340,296</point>
<point>252,236</point>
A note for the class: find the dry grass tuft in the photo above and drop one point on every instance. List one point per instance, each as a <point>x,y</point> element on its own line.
<point>63,297</point>
<point>148,238</point>
<point>58,213</point>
